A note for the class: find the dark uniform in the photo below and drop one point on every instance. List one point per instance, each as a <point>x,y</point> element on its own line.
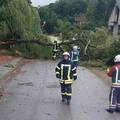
<point>75,57</point>
<point>114,97</point>
<point>55,50</point>
<point>66,72</point>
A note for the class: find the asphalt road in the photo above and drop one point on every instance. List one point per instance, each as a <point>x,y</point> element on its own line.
<point>34,94</point>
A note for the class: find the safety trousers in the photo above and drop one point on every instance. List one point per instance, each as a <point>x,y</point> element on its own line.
<point>66,91</point>
<point>114,98</point>
<point>75,63</point>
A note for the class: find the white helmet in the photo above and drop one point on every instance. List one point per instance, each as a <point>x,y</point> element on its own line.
<point>117,58</point>
<point>66,53</point>
<point>75,47</point>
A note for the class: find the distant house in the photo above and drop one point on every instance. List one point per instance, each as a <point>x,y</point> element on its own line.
<point>79,20</point>
<point>114,19</point>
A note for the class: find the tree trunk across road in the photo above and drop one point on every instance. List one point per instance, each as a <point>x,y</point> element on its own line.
<point>35,95</point>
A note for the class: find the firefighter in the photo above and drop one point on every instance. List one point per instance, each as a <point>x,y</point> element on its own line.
<point>75,55</point>
<point>55,50</point>
<point>114,97</point>
<point>66,72</point>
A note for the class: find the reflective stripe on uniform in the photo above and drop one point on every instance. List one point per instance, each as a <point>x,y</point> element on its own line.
<point>72,56</point>
<point>69,68</point>
<point>118,104</point>
<point>74,68</point>
<point>74,60</point>
<point>116,79</point>
<point>113,106</point>
<point>115,84</point>
<point>111,100</point>
<point>58,68</point>
<point>75,74</point>
<point>67,94</point>
<point>61,72</point>
<point>66,81</point>
<point>57,73</point>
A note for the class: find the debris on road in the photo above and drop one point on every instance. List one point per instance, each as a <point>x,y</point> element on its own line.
<point>26,84</point>
<point>9,66</point>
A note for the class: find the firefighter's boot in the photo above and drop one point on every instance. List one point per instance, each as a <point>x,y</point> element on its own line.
<point>109,110</point>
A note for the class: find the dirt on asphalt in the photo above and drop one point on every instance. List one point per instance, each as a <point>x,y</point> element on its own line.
<point>4,59</point>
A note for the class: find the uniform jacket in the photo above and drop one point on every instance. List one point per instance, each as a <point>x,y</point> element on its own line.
<point>74,55</point>
<point>66,72</point>
<point>115,74</point>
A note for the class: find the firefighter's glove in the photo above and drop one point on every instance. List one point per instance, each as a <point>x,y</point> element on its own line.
<point>108,70</point>
<point>57,76</point>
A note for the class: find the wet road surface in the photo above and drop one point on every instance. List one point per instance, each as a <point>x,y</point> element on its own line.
<point>35,95</point>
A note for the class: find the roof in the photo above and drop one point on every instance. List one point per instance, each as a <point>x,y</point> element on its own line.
<point>80,19</point>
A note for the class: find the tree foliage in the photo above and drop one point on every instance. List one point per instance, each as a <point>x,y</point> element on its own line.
<point>19,20</point>
<point>61,12</point>
<point>96,12</point>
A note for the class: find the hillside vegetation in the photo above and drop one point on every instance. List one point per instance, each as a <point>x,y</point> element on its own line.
<point>62,13</point>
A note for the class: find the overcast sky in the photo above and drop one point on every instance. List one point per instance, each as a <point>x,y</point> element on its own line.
<point>42,2</point>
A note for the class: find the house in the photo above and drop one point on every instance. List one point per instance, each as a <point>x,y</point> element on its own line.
<point>79,20</point>
<point>114,19</point>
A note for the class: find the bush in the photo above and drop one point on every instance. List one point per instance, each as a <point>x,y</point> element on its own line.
<point>34,51</point>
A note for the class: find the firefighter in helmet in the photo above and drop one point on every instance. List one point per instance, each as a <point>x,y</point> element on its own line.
<point>114,97</point>
<point>66,72</point>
